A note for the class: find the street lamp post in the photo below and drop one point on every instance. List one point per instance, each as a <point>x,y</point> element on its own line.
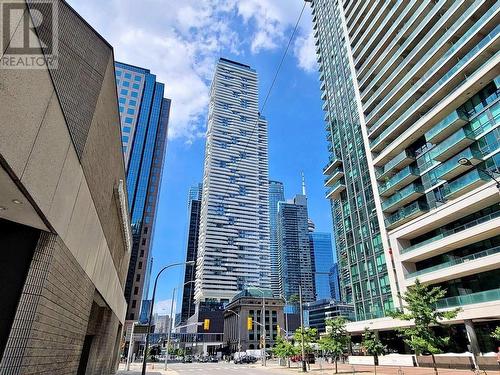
<point>304,367</point>
<point>151,311</point>
<point>130,345</point>
<point>239,328</point>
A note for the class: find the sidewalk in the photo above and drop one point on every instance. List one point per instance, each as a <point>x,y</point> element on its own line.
<point>151,369</point>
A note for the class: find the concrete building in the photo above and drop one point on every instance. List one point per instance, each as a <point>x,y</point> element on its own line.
<point>64,227</point>
<point>316,313</point>
<point>194,209</point>
<point>276,195</point>
<point>296,264</point>
<point>423,78</point>
<point>144,124</point>
<point>248,304</point>
<point>233,246</point>
<point>161,323</point>
<point>322,257</point>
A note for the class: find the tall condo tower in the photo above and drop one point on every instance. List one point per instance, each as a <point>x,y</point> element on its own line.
<point>415,85</point>
<point>276,195</point>
<point>144,115</point>
<point>233,249</point>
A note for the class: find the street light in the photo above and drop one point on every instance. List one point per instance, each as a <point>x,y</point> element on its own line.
<point>304,367</point>
<point>151,311</point>
<point>239,328</point>
<point>467,162</point>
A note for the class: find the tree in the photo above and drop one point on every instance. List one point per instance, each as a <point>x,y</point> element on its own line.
<point>496,333</point>
<point>284,349</point>
<point>310,335</point>
<point>336,340</point>
<point>420,308</point>
<point>373,346</point>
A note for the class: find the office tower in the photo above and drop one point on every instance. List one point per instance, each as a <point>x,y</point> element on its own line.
<point>194,208</point>
<point>233,248</point>
<point>334,282</point>
<point>64,229</point>
<point>144,123</point>
<point>425,92</point>
<point>322,257</point>
<point>295,261</point>
<point>276,194</point>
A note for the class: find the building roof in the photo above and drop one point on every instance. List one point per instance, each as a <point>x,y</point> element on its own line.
<point>254,292</point>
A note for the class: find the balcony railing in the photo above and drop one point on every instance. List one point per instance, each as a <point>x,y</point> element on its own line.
<point>468,182</point>
<point>446,126</point>
<point>400,161</point>
<point>468,299</point>
<point>333,162</point>
<point>454,262</point>
<point>336,175</point>
<point>400,179</point>
<point>450,232</point>
<point>452,168</point>
<point>335,190</point>
<point>406,214</point>
<point>404,196</point>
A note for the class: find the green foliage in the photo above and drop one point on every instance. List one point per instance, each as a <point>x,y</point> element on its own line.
<point>337,339</point>
<point>372,343</point>
<point>496,333</point>
<point>420,306</point>
<point>310,336</point>
<point>284,349</point>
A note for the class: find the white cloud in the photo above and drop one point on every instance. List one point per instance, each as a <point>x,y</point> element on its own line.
<point>305,51</point>
<point>162,307</point>
<point>181,41</point>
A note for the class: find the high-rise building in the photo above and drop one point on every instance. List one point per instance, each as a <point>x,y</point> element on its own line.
<point>296,265</point>
<point>276,195</point>
<point>334,282</point>
<point>422,86</point>
<point>144,123</point>
<point>64,230</point>
<point>322,256</point>
<point>233,248</point>
<point>194,209</point>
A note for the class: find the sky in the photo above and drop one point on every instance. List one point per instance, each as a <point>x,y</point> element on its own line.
<point>180,42</point>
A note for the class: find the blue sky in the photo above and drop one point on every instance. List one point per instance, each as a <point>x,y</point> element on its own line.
<point>181,42</point>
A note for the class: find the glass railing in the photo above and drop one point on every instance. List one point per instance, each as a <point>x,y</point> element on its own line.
<point>406,154</point>
<point>464,182</point>
<point>454,117</point>
<point>405,212</point>
<point>452,140</point>
<point>438,65</point>
<point>453,164</point>
<point>331,160</point>
<point>453,262</point>
<point>339,185</point>
<point>468,299</point>
<point>450,232</point>
<point>336,172</point>
<point>398,177</point>
<point>412,109</point>
<point>402,194</point>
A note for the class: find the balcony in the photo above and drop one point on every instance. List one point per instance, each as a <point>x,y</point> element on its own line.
<point>467,182</point>
<point>454,262</point>
<point>399,180</point>
<point>403,197</point>
<point>453,231</point>
<point>446,127</point>
<point>333,163</point>
<point>335,176</point>
<point>469,299</point>
<point>453,144</point>
<point>406,214</point>
<point>452,168</point>
<point>335,190</point>
<point>397,163</point>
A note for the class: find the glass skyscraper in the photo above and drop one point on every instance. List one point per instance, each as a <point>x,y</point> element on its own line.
<point>295,261</point>
<point>144,117</point>
<point>415,86</point>
<point>276,195</point>
<point>233,246</point>
<point>322,255</point>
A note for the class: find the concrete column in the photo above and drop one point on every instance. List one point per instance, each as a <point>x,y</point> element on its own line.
<point>471,335</point>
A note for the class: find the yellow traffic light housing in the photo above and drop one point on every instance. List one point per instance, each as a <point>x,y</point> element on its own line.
<point>249,324</point>
<point>206,324</point>
<point>278,330</point>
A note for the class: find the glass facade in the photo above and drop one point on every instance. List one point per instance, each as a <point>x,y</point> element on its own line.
<point>364,280</point>
<point>276,195</point>
<point>144,117</point>
<point>322,254</point>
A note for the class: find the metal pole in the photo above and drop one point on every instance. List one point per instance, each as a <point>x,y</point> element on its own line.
<point>264,329</point>
<point>286,320</point>
<point>130,346</point>
<point>169,329</point>
<point>304,367</point>
<point>239,334</point>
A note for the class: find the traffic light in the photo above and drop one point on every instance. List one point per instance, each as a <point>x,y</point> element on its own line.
<point>249,324</point>
<point>278,329</point>
<point>206,324</point>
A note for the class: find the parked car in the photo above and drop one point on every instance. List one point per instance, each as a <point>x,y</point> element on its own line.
<point>213,359</point>
<point>309,358</point>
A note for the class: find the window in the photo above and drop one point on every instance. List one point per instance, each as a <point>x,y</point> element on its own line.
<point>139,266</point>
<point>126,129</point>
<point>143,241</point>
<point>232,220</point>
<point>134,303</point>
<point>244,86</point>
<point>135,86</point>
<point>244,103</point>
<point>225,122</point>
<point>243,119</point>
<point>136,290</point>
<point>128,120</point>
<point>126,83</point>
<point>134,94</point>
<point>236,94</point>
<point>243,154</point>
<point>130,111</point>
<point>132,103</point>
<point>138,277</point>
<point>222,163</point>
<point>142,253</point>
<point>225,105</point>
<point>121,109</point>
<point>122,100</point>
<point>232,179</point>
<point>145,230</point>
<point>124,138</point>
<point>243,190</point>
<point>118,73</point>
<point>137,78</point>
<point>128,75</point>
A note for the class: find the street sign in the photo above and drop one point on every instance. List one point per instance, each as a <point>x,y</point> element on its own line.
<point>143,329</point>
